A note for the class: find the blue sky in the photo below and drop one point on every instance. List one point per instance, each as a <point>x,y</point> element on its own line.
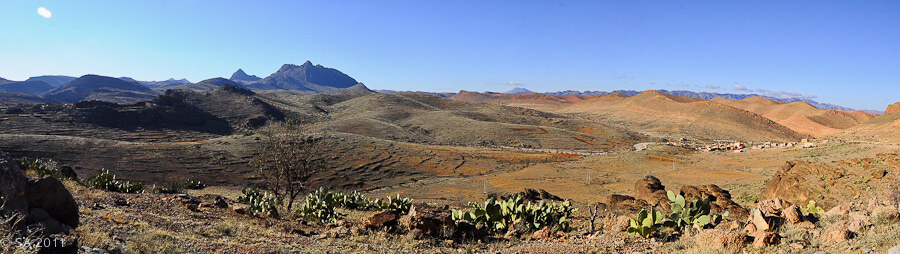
<point>838,52</point>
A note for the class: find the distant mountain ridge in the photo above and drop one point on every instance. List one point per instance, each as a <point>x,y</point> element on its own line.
<point>309,78</point>
<point>243,77</point>
<point>518,90</point>
<point>95,87</point>
<point>53,80</point>
<point>709,96</point>
<point>159,84</point>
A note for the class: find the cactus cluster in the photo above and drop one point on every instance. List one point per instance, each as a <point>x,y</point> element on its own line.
<point>500,216</point>
<point>812,208</point>
<point>259,201</point>
<point>696,213</point>
<point>646,223</point>
<point>193,184</point>
<point>319,206</point>
<point>104,180</point>
<point>42,167</point>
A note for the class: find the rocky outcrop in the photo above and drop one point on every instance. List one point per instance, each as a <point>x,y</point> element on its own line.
<point>650,189</point>
<point>381,220</point>
<point>893,108</point>
<point>625,203</point>
<point>829,184</point>
<point>720,200</point>
<point>429,220</point>
<point>43,203</point>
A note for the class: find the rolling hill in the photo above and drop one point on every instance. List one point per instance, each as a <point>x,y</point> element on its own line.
<point>94,87</point>
<point>653,113</point>
<point>21,99</point>
<point>800,116</point>
<point>427,119</point>
<point>29,87</point>
<point>882,128</point>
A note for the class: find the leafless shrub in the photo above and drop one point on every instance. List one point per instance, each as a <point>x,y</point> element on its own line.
<point>287,159</point>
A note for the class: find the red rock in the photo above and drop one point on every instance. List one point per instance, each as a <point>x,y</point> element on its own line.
<point>544,233</point>
<point>792,214</point>
<point>381,220</point>
<point>837,233</point>
<point>842,209</point>
<point>650,189</point>
<point>893,108</point>
<point>763,239</point>
<point>721,239</point>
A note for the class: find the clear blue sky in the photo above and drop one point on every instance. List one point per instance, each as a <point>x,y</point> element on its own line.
<point>839,52</point>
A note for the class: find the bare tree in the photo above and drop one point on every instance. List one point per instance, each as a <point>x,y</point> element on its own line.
<point>287,159</point>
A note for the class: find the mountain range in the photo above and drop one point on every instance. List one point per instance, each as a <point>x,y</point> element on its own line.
<point>157,84</point>
<point>306,78</point>
<point>310,78</point>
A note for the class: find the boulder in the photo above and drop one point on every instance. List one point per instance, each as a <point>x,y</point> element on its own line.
<point>720,199</point>
<point>544,233</point>
<point>718,239</point>
<point>650,189</point>
<point>625,203</point>
<point>762,222</point>
<point>842,210</point>
<point>12,188</point>
<point>858,221</point>
<point>380,220</point>
<point>837,233</point>
<point>616,223</point>
<point>40,203</point>
<point>773,207</point>
<point>792,214</point>
<point>428,219</point>
<point>763,239</point>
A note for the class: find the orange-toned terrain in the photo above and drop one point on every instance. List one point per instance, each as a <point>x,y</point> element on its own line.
<point>882,128</point>
<point>654,113</point>
<point>801,116</point>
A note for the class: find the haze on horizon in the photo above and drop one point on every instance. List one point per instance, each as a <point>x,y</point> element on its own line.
<point>840,53</point>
